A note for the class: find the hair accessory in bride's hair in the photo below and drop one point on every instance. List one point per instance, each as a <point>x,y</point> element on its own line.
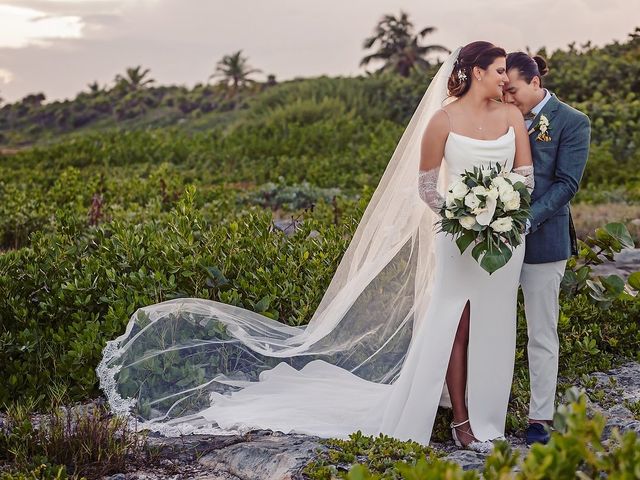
<point>461,75</point>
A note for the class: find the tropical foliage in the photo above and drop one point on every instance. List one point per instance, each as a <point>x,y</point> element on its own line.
<point>234,71</point>
<point>135,193</point>
<point>398,47</point>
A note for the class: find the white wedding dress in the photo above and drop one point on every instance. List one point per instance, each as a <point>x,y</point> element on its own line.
<point>325,400</point>
<point>373,357</point>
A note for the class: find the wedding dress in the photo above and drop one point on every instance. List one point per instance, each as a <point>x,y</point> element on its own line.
<point>375,353</point>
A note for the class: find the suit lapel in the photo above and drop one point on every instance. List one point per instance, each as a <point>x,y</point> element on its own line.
<point>548,110</point>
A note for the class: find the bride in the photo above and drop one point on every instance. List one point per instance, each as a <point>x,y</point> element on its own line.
<point>406,324</point>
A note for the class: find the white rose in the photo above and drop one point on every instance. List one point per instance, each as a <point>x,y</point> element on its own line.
<point>499,183</point>
<point>479,190</point>
<point>503,224</point>
<point>515,177</point>
<point>493,192</point>
<point>448,213</point>
<point>506,192</point>
<point>472,201</point>
<point>511,201</point>
<point>459,190</point>
<point>543,124</point>
<point>467,222</point>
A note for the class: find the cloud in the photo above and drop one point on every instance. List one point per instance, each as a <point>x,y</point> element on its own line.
<point>5,76</point>
<point>181,41</point>
<point>22,26</point>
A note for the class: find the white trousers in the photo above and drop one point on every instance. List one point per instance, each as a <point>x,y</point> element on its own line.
<point>541,287</point>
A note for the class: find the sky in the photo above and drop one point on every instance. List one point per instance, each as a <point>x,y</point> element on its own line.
<point>58,47</point>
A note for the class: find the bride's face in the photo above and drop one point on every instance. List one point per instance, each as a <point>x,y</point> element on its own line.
<point>494,78</point>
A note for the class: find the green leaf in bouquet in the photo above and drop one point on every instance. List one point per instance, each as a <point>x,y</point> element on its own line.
<point>465,240</point>
<point>496,258</point>
<point>478,250</point>
<point>477,227</point>
<point>521,188</point>
<point>634,280</point>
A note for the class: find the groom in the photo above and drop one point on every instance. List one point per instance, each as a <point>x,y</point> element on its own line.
<point>559,137</point>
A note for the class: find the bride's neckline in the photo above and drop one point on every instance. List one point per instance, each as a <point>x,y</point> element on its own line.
<point>509,130</point>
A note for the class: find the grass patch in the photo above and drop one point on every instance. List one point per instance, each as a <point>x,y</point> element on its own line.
<point>85,443</point>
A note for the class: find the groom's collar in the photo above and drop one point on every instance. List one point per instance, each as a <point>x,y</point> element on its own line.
<point>547,96</point>
<point>547,110</point>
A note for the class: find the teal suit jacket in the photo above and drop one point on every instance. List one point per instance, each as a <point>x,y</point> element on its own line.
<point>558,167</point>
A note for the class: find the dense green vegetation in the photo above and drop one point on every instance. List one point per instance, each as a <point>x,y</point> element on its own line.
<point>134,194</point>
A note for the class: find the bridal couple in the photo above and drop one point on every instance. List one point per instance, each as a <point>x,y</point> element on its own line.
<point>407,322</point>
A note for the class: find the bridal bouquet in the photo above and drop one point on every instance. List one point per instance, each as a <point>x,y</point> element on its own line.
<point>487,207</point>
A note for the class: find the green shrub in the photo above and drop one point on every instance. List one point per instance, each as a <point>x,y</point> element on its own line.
<point>575,450</point>
<point>75,288</point>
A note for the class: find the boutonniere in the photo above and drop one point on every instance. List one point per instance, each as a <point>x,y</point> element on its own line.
<point>543,129</point>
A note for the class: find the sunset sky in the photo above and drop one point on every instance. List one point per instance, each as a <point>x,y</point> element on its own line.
<point>59,46</point>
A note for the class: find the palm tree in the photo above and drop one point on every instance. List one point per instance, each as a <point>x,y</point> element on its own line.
<point>398,47</point>
<point>94,88</point>
<point>234,71</point>
<point>134,79</point>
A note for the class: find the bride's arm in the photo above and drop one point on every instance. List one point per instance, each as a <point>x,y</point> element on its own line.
<point>431,154</point>
<point>523,163</point>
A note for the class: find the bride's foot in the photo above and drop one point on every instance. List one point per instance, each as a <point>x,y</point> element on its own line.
<point>463,437</point>
<point>462,433</point>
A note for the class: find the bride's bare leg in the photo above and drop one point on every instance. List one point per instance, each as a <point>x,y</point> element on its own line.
<point>457,376</point>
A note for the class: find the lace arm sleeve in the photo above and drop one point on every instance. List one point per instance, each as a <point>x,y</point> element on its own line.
<point>428,189</point>
<point>527,172</point>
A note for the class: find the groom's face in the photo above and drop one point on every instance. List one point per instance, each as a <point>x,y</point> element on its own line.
<point>518,92</point>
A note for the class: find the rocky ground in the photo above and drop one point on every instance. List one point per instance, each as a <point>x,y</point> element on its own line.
<point>263,455</point>
<point>266,455</point>
<point>625,263</point>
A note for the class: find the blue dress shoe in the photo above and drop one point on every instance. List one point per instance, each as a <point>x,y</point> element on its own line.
<point>536,433</point>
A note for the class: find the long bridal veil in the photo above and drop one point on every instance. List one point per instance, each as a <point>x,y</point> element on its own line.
<point>179,358</point>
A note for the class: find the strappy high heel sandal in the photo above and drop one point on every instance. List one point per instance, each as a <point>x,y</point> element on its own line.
<point>474,445</point>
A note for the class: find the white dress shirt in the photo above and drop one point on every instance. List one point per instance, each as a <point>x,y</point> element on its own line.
<point>536,110</point>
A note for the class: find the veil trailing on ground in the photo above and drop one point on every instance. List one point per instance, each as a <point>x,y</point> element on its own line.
<point>179,357</point>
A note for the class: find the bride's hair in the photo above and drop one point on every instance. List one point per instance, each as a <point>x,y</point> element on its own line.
<point>528,67</point>
<point>475,54</point>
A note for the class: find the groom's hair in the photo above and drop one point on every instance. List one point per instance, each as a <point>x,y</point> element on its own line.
<point>527,66</point>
